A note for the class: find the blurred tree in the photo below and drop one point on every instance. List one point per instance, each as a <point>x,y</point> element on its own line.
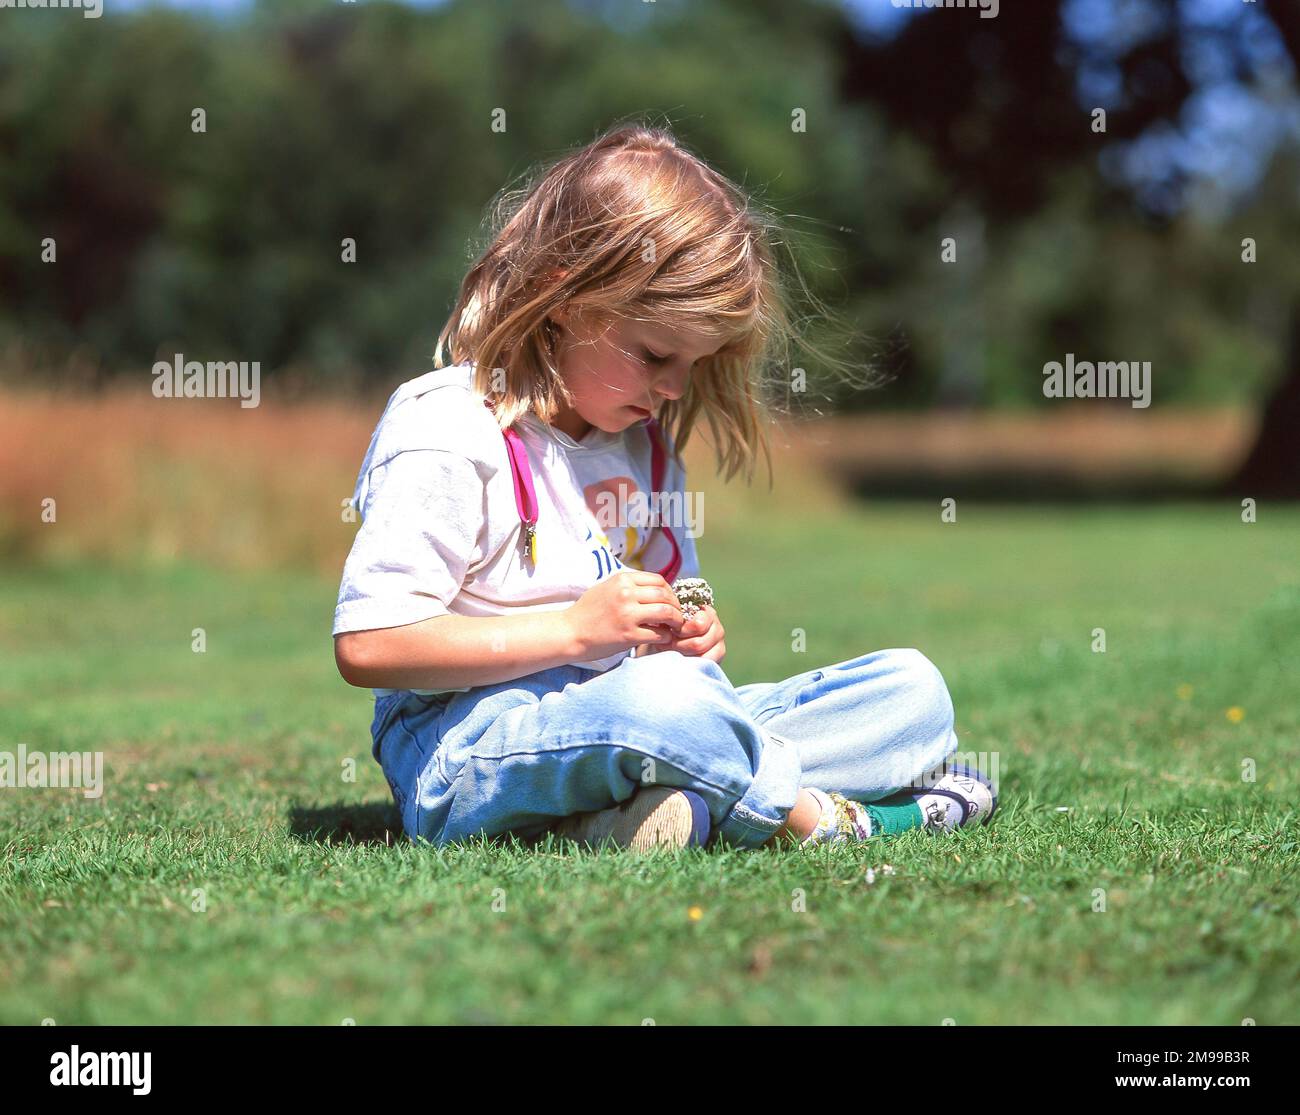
<point>372,124</point>
<point>1006,105</point>
<point>1273,465</point>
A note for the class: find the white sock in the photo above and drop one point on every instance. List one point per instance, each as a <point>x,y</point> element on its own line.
<point>827,823</point>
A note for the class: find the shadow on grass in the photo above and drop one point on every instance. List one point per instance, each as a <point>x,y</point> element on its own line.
<point>373,822</point>
<point>377,822</point>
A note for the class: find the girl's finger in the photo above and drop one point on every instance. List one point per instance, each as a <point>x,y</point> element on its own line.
<point>692,628</point>
<point>654,580</point>
<point>652,595</point>
<point>697,645</point>
<point>664,613</point>
<point>652,634</point>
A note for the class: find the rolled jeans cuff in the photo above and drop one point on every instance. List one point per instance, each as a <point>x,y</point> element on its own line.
<point>763,808</point>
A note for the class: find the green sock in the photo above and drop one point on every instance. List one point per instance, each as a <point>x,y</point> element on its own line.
<point>896,814</point>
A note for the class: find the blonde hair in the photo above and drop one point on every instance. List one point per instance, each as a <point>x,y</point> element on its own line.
<point>631,225</point>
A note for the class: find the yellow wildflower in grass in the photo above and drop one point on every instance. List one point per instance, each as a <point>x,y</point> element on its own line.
<point>1184,692</point>
<point>695,913</point>
<point>1235,714</point>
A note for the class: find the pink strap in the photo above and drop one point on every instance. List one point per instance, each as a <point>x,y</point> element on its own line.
<point>526,495</point>
<point>657,463</point>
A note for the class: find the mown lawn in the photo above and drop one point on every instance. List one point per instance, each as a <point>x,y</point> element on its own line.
<point>1121,778</point>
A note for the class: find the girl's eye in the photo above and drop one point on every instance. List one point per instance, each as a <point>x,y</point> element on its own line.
<point>650,356</point>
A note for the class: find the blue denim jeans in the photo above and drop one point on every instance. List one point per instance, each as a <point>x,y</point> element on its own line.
<point>519,755</point>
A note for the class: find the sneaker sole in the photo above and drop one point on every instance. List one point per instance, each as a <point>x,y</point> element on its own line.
<point>654,818</point>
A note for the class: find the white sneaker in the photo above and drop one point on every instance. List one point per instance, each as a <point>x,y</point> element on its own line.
<point>960,795</point>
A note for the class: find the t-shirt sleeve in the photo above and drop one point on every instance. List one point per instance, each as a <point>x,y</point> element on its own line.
<point>423,519</point>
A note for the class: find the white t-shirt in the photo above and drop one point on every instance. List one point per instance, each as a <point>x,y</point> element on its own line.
<point>440,529</point>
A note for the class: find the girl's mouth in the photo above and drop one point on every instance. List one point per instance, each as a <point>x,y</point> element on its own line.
<point>641,412</point>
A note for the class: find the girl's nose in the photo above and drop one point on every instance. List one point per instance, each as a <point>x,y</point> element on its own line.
<point>672,385</point>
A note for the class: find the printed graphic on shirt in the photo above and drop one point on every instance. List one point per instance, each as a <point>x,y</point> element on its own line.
<point>606,562</point>
<point>604,499</point>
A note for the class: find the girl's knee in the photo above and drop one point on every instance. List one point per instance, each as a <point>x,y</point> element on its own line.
<point>925,691</point>
<point>680,706</point>
<point>668,685</point>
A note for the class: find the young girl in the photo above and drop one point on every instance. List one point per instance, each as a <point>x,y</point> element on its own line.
<point>532,669</point>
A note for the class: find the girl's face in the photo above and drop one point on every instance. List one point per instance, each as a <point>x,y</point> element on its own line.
<point>619,373</point>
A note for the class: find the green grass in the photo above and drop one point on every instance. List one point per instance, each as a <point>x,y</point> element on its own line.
<point>225,773</point>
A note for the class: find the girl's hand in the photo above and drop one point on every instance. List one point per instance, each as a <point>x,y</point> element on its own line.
<point>700,636</point>
<point>621,612</point>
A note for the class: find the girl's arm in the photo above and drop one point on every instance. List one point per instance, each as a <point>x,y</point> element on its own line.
<point>451,651</point>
